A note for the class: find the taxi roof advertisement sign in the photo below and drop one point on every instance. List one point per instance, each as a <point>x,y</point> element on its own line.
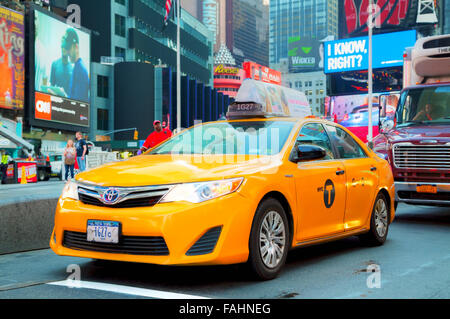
<point>276,100</point>
<point>352,54</point>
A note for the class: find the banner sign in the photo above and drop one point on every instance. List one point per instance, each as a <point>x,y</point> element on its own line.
<point>304,54</point>
<point>58,109</point>
<point>12,59</point>
<point>352,54</point>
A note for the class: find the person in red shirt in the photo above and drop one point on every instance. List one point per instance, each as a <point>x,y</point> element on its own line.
<point>156,137</point>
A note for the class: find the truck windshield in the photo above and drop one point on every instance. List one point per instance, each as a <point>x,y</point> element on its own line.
<point>239,138</point>
<point>428,105</point>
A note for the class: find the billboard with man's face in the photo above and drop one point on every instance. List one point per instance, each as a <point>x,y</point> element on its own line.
<point>12,55</point>
<point>62,71</point>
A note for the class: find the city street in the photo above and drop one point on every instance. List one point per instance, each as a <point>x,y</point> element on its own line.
<point>413,263</point>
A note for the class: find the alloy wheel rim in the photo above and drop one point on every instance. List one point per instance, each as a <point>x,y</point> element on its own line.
<point>381,218</point>
<point>272,239</point>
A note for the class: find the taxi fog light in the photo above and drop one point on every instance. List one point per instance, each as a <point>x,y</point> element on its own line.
<point>70,190</point>
<point>200,192</point>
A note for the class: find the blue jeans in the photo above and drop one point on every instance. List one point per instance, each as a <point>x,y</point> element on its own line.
<point>67,168</point>
<point>81,164</point>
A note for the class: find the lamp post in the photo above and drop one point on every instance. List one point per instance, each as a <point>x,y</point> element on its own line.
<point>370,84</point>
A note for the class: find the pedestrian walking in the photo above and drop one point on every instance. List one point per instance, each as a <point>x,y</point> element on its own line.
<point>70,154</point>
<point>81,147</point>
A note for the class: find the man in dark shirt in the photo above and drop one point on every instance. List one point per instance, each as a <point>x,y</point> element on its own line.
<point>81,147</point>
<point>61,71</point>
<point>79,83</point>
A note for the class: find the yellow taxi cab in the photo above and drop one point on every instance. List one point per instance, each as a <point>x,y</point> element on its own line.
<point>244,190</point>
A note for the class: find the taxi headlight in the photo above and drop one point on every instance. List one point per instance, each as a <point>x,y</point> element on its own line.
<point>70,190</point>
<point>200,192</point>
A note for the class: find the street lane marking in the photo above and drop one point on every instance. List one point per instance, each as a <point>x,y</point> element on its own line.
<point>124,289</point>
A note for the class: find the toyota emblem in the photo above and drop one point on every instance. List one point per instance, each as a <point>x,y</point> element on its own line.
<point>110,196</point>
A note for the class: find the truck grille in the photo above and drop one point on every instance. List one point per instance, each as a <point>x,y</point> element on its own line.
<point>422,156</point>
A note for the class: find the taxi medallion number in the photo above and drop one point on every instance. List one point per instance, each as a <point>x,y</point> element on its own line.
<point>103,231</point>
<point>426,189</point>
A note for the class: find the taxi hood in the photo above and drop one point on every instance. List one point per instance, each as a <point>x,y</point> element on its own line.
<point>164,169</point>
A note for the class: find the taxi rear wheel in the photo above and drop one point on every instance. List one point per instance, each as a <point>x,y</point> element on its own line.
<point>269,240</point>
<point>379,222</point>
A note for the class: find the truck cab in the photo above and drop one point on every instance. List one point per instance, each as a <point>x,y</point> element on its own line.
<point>417,141</point>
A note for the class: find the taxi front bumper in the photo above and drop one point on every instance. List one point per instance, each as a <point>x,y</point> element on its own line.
<point>180,224</point>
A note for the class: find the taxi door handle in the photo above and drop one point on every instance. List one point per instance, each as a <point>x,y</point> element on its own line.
<point>340,172</point>
<point>373,168</point>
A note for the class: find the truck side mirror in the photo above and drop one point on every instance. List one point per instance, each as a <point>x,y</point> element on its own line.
<point>387,125</point>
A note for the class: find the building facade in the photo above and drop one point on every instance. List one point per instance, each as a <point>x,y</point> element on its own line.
<point>309,19</point>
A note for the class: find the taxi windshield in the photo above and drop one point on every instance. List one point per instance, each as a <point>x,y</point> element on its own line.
<point>233,138</point>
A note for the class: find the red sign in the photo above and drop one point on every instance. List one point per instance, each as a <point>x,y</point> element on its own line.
<point>261,73</point>
<point>30,171</point>
<point>43,107</point>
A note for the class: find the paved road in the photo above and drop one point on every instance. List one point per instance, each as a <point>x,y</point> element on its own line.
<point>413,263</point>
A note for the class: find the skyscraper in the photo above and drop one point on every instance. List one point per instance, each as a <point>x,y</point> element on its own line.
<point>312,19</point>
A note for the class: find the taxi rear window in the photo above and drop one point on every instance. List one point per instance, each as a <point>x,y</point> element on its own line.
<point>238,138</point>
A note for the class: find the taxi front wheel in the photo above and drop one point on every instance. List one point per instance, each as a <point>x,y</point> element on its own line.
<point>379,222</point>
<point>269,240</point>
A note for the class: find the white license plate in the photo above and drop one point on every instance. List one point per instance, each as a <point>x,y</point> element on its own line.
<point>103,231</point>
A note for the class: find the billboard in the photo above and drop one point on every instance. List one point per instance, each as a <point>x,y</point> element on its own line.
<point>62,71</point>
<point>261,73</point>
<point>390,15</point>
<point>305,54</point>
<point>352,54</point>
<point>12,59</point>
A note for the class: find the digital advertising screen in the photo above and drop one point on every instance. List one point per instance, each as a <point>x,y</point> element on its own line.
<point>353,54</point>
<point>305,54</point>
<point>62,71</point>
<point>12,59</point>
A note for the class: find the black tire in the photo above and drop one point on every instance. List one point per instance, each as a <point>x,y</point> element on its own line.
<point>257,264</point>
<point>377,235</point>
<point>42,175</point>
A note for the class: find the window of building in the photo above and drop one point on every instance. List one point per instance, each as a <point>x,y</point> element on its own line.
<point>102,119</point>
<point>120,52</point>
<point>119,25</point>
<point>122,2</point>
<point>102,86</point>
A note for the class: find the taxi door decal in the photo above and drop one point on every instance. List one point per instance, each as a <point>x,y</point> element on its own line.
<point>328,193</point>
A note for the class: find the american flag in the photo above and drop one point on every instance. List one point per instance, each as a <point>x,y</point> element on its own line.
<point>168,7</point>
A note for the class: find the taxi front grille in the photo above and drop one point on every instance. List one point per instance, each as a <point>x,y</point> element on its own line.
<point>409,156</point>
<point>138,202</point>
<point>133,245</point>
<point>126,197</point>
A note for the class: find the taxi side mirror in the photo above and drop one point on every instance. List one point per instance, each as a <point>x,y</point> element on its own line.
<point>310,152</point>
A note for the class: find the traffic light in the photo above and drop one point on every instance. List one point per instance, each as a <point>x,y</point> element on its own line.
<point>136,135</point>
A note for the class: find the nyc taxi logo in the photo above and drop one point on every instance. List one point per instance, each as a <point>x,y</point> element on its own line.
<point>328,193</point>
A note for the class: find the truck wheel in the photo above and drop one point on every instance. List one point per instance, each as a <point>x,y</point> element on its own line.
<point>42,175</point>
<point>379,223</point>
<point>269,240</point>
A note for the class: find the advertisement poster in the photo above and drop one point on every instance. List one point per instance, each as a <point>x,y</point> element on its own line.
<point>390,14</point>
<point>30,171</point>
<point>352,54</point>
<point>12,59</point>
<point>305,54</point>
<point>62,59</point>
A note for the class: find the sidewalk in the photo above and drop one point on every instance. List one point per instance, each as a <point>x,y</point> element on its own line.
<point>18,193</point>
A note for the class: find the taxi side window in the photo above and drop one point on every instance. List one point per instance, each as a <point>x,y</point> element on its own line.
<point>346,146</point>
<point>315,134</point>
